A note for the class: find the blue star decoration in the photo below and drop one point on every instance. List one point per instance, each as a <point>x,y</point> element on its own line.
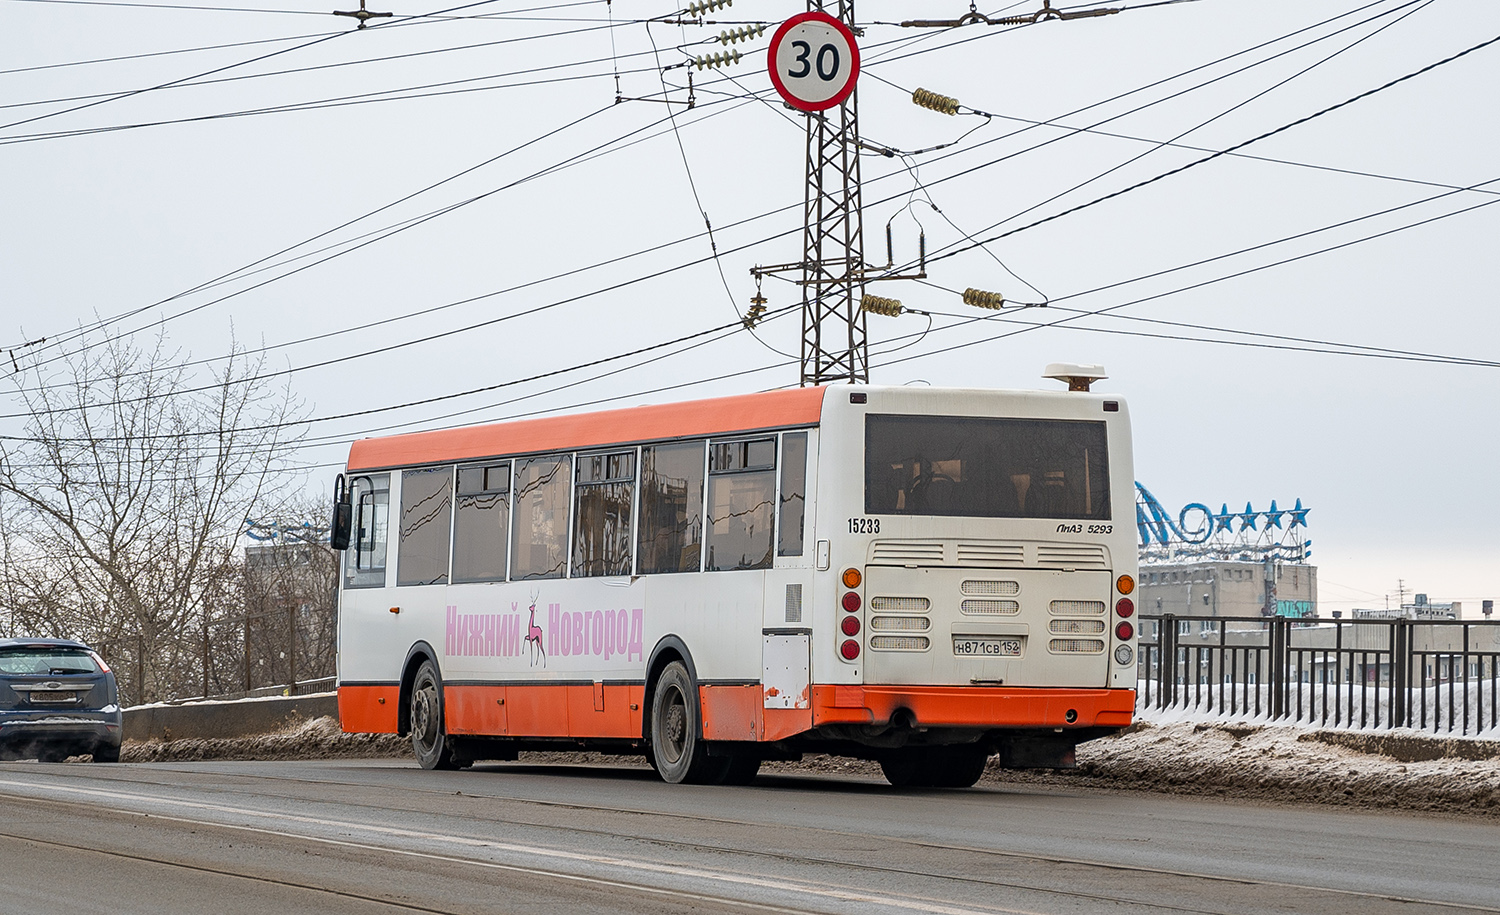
<point>1299,516</point>
<point>1273,517</point>
<point>1247,520</point>
<point>1223,519</point>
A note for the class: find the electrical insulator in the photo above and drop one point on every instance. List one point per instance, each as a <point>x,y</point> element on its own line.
<point>880,305</point>
<point>717,60</point>
<point>748,33</point>
<point>934,101</point>
<point>707,6</point>
<point>981,299</point>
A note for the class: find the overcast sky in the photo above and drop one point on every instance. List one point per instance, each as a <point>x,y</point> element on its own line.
<point>1308,317</point>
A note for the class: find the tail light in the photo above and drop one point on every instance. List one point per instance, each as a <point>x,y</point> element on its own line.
<point>851,601</point>
<point>850,650</point>
<point>1124,607</point>
<point>1125,584</point>
<point>1124,632</point>
<point>98,659</point>
<point>852,578</point>
<point>850,625</point>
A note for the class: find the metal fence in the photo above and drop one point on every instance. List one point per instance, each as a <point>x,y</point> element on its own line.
<point>1432,675</point>
<point>288,650</point>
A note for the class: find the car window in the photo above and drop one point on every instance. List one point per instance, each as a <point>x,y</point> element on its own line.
<point>46,661</point>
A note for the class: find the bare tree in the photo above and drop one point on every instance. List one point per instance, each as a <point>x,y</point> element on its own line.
<point>122,500</point>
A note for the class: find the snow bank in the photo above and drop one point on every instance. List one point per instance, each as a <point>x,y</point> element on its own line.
<point>1389,769</point>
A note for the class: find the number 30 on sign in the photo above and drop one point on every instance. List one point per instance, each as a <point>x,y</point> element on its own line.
<point>814,61</point>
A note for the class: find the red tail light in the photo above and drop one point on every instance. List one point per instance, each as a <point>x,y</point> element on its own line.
<point>850,650</point>
<point>851,601</point>
<point>100,661</point>
<point>850,625</point>
<point>1124,632</point>
<point>1124,607</point>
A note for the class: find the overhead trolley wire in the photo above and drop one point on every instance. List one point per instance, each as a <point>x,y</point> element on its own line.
<point>1212,156</point>
<point>107,321</point>
<point>196,82</point>
<point>747,221</point>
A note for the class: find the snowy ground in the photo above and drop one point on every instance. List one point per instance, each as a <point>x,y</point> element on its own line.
<point>1252,760</point>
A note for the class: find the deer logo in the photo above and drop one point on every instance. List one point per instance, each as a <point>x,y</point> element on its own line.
<point>534,634</point>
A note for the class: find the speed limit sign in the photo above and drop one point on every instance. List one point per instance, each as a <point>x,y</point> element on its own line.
<point>814,61</point>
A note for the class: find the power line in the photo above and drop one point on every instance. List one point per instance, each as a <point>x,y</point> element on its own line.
<point>1216,155</point>
<point>908,42</point>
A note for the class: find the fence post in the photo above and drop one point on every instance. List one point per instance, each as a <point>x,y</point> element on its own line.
<point>1168,643</point>
<point>247,651</point>
<point>291,648</point>
<point>140,670</point>
<point>1400,663</point>
<point>205,651</point>
<point>1278,667</point>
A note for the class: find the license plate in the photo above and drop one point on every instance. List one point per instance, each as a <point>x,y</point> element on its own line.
<point>40,697</point>
<point>978,646</point>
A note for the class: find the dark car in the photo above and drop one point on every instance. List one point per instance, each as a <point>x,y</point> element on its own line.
<point>57,699</point>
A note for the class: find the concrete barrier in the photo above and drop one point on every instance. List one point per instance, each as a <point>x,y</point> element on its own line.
<point>240,718</point>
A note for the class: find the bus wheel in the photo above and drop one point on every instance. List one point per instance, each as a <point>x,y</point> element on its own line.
<point>957,767</point>
<point>905,770</point>
<point>676,744</point>
<point>741,770</point>
<point>429,740</point>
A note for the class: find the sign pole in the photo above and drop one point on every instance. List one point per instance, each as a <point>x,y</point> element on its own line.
<point>814,63</point>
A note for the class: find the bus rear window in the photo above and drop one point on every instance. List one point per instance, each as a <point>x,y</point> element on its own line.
<point>983,467</point>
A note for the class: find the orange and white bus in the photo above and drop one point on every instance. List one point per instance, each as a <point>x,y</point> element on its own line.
<point>924,577</point>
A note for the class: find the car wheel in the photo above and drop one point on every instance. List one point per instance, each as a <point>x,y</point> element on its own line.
<point>107,753</point>
<point>676,730</point>
<point>430,742</point>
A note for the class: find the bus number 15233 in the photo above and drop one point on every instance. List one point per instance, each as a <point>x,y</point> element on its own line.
<point>864,525</point>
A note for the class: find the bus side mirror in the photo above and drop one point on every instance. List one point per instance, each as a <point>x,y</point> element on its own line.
<point>343,516</point>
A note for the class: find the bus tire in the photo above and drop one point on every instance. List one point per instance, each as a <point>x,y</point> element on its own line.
<point>741,770</point>
<point>957,767</point>
<point>677,743</point>
<point>429,738</point>
<point>904,769</point>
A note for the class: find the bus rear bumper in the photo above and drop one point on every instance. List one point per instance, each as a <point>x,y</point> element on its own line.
<point>986,707</point>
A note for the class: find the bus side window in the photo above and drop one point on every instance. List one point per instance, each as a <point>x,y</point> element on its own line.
<point>539,530</point>
<point>482,525</point>
<point>793,493</point>
<point>741,503</point>
<point>426,509</point>
<point>364,563</point>
<point>671,526</point>
<point>604,500</point>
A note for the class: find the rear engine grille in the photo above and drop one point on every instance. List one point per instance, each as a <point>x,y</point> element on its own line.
<point>900,604</point>
<point>899,643</point>
<point>906,553</point>
<point>990,607</point>
<point>1071,556</point>
<point>991,554</point>
<point>986,588</point>
<point>900,623</point>
<point>1076,627</point>
<point>1076,607</point>
<point>1076,646</point>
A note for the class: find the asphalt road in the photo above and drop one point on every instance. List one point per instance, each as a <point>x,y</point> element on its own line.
<point>375,836</point>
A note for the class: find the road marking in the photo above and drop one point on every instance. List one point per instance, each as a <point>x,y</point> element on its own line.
<point>839,894</point>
